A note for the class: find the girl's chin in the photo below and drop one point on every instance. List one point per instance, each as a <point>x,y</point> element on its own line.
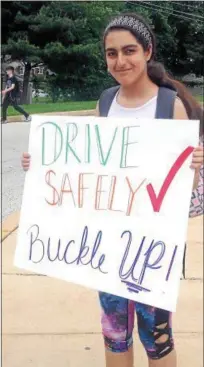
<point>127,81</point>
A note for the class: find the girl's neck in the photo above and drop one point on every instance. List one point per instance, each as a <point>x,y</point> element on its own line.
<point>144,89</point>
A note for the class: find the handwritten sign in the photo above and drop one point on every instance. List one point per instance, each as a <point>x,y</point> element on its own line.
<point>106,204</point>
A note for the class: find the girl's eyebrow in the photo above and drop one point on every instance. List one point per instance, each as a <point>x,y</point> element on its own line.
<point>123,48</point>
<point>110,49</point>
<point>131,45</point>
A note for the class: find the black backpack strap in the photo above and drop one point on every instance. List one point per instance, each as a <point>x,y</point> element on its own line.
<point>106,99</point>
<point>165,103</point>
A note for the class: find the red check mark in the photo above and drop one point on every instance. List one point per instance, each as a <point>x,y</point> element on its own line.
<point>157,200</point>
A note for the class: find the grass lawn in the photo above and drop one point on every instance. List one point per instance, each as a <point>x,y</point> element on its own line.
<point>54,107</point>
<point>200,99</point>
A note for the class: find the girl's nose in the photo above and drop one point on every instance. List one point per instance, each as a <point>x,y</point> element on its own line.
<point>121,60</point>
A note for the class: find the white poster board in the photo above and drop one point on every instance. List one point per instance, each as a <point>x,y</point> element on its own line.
<point>106,204</point>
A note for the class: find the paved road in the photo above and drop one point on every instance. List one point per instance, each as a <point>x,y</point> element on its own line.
<point>14,142</point>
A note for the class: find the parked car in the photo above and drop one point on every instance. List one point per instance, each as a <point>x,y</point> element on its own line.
<point>39,93</point>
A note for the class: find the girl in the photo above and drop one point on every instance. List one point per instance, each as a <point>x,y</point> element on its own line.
<point>129,46</point>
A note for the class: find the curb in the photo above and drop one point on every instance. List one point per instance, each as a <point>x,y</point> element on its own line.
<point>65,113</point>
<point>9,225</point>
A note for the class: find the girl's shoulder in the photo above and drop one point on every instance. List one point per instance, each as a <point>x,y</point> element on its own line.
<point>180,112</point>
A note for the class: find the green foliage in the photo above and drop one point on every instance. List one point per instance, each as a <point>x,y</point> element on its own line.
<point>52,88</point>
<point>179,35</point>
<point>66,36</point>
<point>22,50</point>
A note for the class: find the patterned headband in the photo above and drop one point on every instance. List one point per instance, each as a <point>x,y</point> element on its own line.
<point>131,23</point>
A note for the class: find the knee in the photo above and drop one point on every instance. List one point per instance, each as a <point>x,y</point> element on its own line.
<point>118,346</point>
<point>117,339</point>
<point>117,326</point>
<point>159,342</point>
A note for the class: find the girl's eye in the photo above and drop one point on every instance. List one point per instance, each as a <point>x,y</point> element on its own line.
<point>129,51</point>
<point>111,54</point>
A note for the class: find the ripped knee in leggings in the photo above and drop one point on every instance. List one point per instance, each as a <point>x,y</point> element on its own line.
<point>163,340</point>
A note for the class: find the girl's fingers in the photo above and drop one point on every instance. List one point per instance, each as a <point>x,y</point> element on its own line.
<point>196,165</point>
<point>26,155</point>
<point>26,160</point>
<point>197,159</point>
<point>198,154</point>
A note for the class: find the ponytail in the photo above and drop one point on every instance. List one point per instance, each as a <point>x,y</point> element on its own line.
<point>159,76</point>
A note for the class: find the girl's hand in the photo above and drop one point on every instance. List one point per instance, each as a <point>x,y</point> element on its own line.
<point>197,160</point>
<point>25,161</point>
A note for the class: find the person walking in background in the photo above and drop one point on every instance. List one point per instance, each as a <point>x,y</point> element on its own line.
<point>10,94</point>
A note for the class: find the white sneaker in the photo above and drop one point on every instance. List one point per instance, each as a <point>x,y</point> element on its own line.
<point>28,119</point>
<point>4,121</point>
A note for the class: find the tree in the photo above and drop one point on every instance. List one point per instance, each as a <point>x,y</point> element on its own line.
<point>69,33</point>
<point>179,29</point>
<point>189,35</point>
<point>63,35</point>
<point>66,37</point>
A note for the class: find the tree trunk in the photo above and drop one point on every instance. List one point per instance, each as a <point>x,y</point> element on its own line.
<point>26,79</point>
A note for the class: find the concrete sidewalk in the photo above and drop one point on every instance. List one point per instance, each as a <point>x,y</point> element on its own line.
<point>51,323</point>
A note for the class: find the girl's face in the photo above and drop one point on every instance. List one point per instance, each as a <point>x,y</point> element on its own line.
<point>125,57</point>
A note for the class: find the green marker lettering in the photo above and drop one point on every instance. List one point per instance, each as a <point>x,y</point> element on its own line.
<point>57,150</point>
<point>124,148</point>
<point>68,141</point>
<point>87,144</point>
<point>101,154</point>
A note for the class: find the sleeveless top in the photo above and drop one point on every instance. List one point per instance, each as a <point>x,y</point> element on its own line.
<point>147,110</point>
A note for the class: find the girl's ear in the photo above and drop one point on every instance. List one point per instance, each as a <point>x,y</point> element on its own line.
<point>148,53</point>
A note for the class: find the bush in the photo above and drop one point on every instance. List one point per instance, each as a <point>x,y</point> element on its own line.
<point>58,87</point>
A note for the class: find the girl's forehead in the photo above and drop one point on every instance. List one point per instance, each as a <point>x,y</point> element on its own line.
<point>119,38</point>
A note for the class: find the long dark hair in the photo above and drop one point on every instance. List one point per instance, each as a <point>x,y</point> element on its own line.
<point>157,73</point>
